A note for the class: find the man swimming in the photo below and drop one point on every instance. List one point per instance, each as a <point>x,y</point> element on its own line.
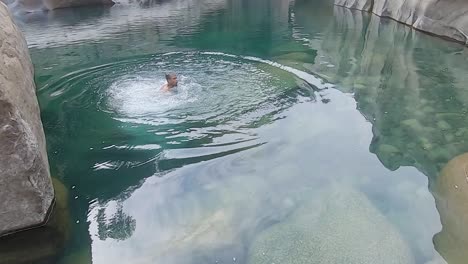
<point>171,79</point>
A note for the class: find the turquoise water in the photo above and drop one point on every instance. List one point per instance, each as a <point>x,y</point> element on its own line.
<point>300,133</point>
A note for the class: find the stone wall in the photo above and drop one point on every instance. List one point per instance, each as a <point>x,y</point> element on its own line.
<point>446,19</point>
<point>26,190</point>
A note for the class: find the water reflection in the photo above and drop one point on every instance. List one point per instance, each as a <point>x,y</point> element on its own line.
<point>411,88</point>
<point>119,227</point>
<point>212,211</point>
<point>409,85</point>
<point>256,152</point>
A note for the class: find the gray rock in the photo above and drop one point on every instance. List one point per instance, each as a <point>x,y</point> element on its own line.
<point>26,189</point>
<point>447,19</point>
<point>364,5</point>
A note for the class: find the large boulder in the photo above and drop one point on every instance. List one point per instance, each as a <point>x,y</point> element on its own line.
<point>26,191</point>
<point>451,196</point>
<point>443,18</point>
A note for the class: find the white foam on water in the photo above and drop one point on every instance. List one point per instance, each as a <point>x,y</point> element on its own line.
<point>141,95</point>
<point>215,87</point>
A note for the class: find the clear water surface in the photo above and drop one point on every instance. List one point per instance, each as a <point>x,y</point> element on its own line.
<point>300,133</point>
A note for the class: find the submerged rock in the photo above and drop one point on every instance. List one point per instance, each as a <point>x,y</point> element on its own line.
<point>451,195</point>
<point>346,228</point>
<point>365,5</point>
<point>26,189</point>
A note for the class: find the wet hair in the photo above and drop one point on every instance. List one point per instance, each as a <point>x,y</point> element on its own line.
<point>169,75</point>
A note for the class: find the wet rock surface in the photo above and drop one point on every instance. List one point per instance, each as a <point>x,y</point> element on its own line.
<point>26,189</point>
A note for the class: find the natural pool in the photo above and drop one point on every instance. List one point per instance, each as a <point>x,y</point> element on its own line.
<point>300,133</point>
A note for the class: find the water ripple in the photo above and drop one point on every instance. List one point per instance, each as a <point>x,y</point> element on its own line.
<point>220,100</point>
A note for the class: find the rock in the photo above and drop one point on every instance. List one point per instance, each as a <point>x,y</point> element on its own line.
<point>451,196</point>
<point>443,125</point>
<point>343,228</point>
<point>26,188</point>
<point>443,18</point>
<point>405,11</point>
<point>364,5</point>
<point>41,244</point>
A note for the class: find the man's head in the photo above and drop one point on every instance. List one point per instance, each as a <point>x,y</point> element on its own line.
<point>171,79</point>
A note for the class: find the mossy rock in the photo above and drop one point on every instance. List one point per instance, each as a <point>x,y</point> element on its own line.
<point>42,244</point>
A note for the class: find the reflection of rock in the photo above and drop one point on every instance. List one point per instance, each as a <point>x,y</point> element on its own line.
<point>451,193</point>
<point>410,89</point>
<point>347,228</point>
<point>84,27</point>
<point>443,18</point>
<point>40,244</point>
<point>27,6</point>
<point>26,193</point>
